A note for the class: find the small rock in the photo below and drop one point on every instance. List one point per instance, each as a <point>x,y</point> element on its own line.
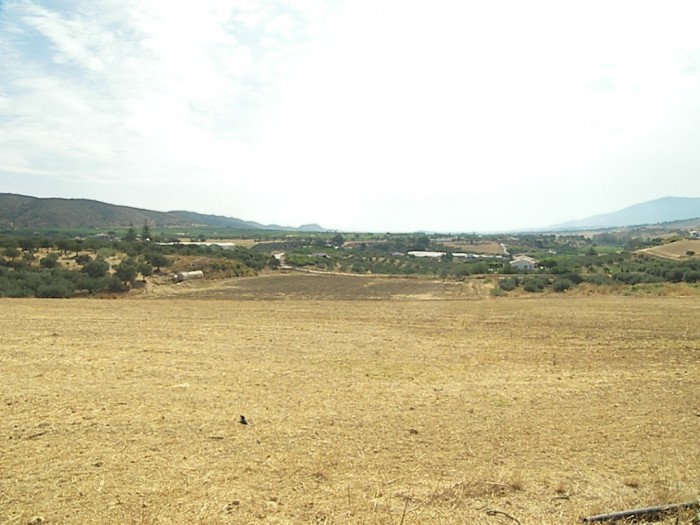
<point>232,506</point>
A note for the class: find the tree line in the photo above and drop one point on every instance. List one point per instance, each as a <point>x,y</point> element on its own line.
<point>60,268</point>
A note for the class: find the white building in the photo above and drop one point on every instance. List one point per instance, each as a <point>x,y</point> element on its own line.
<point>524,263</point>
<point>434,255</point>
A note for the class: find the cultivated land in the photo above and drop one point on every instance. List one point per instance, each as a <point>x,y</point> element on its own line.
<point>439,407</point>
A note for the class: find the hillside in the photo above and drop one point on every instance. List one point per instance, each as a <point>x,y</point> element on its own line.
<point>676,251</point>
<point>666,209</point>
<point>21,211</point>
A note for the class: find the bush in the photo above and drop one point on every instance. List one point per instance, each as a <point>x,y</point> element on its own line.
<point>692,276</point>
<point>50,261</point>
<point>56,288</point>
<point>575,278</point>
<point>599,279</point>
<point>96,269</point>
<point>90,284</point>
<point>508,285</point>
<point>674,276</point>
<point>637,278</point>
<point>534,284</point>
<point>561,285</point>
<point>115,285</point>
<point>497,292</point>
<point>126,271</point>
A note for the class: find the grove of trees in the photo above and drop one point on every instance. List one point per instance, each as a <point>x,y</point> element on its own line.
<point>62,266</point>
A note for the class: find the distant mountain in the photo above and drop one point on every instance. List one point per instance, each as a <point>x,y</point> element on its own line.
<point>21,211</point>
<point>666,209</point>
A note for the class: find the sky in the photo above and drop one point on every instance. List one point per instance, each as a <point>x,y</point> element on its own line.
<point>358,115</point>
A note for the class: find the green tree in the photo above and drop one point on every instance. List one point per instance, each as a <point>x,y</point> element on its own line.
<point>56,288</point>
<point>157,259</point>
<point>96,269</point>
<point>27,245</point>
<point>338,240</point>
<point>11,253</point>
<point>83,259</point>
<point>115,285</point>
<point>126,271</point>
<point>130,234</point>
<point>50,261</point>
<point>25,261</point>
<point>145,269</point>
<point>145,231</point>
<point>421,243</point>
<point>692,276</point>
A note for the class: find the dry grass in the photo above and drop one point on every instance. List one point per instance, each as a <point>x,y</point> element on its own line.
<point>362,411</point>
<point>485,247</point>
<point>676,250</point>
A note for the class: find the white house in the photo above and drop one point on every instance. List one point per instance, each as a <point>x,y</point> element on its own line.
<point>523,263</point>
<point>694,234</point>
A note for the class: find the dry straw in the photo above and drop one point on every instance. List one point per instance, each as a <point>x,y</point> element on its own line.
<point>442,411</point>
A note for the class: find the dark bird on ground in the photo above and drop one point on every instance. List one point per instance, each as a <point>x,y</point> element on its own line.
<point>243,420</point>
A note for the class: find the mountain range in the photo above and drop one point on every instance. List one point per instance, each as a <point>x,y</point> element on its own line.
<point>21,211</point>
<point>666,209</point>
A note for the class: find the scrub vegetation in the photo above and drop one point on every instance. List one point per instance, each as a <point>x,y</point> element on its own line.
<point>54,264</point>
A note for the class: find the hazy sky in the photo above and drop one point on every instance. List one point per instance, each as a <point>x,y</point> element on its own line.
<point>378,115</point>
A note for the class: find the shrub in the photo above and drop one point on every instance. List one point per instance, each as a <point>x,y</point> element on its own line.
<point>50,261</point>
<point>575,278</point>
<point>56,288</point>
<point>561,285</point>
<point>674,276</point>
<point>534,284</point>
<point>96,269</point>
<point>637,278</point>
<point>497,292</point>
<point>508,285</point>
<point>692,276</point>
<point>126,271</point>
<point>599,279</point>
<point>115,285</point>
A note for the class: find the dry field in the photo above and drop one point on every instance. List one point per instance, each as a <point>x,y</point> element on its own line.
<point>368,411</point>
<point>676,250</point>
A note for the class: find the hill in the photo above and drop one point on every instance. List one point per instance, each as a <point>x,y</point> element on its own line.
<point>666,209</point>
<point>676,251</point>
<point>21,211</point>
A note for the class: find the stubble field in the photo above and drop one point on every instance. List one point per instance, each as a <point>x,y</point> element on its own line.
<point>407,410</point>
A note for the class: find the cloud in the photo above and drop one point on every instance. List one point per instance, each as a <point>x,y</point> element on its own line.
<point>356,114</point>
<point>118,86</point>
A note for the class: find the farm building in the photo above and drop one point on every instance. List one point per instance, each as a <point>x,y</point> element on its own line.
<point>420,253</point>
<point>524,263</point>
<point>186,276</point>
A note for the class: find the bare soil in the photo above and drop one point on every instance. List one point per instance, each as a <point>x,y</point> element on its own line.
<point>378,401</point>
